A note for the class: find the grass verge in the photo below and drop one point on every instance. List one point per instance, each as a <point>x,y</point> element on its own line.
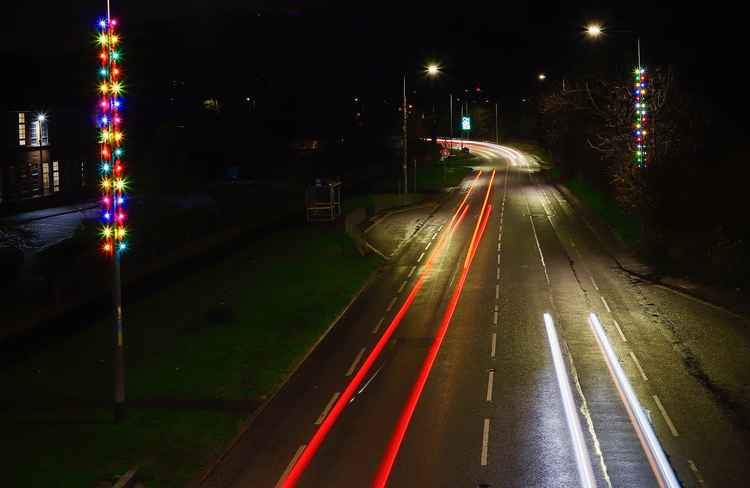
<point>201,353</point>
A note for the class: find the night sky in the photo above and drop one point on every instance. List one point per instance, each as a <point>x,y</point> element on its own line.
<point>320,50</point>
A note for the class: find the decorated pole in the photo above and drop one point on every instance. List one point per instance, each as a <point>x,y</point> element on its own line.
<point>640,124</point>
<point>113,182</point>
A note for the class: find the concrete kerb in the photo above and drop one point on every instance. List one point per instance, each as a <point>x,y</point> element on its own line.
<point>198,481</point>
<point>652,279</point>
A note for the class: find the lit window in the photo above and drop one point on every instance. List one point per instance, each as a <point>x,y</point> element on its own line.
<point>55,176</point>
<point>45,178</point>
<point>21,129</point>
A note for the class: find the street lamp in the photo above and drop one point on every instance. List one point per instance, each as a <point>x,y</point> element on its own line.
<point>594,30</point>
<point>542,77</point>
<point>433,69</point>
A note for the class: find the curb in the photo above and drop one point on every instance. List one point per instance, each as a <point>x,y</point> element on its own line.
<point>654,280</point>
<point>245,426</point>
<point>34,219</point>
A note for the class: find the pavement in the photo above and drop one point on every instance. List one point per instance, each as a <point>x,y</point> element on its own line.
<point>445,372</point>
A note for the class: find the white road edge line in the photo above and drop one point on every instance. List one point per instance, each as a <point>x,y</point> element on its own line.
<point>493,346</point>
<point>324,414</point>
<point>606,305</point>
<point>377,327</point>
<point>585,471</point>
<point>390,305</point>
<point>666,416</point>
<point>420,257</point>
<point>638,365</point>
<point>539,247</point>
<point>619,331</point>
<point>490,380</point>
<point>485,441</point>
<point>355,362</point>
<point>650,442</point>
<point>289,466</point>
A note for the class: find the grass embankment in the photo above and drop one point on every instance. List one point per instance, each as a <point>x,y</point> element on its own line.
<point>201,353</point>
<point>435,176</point>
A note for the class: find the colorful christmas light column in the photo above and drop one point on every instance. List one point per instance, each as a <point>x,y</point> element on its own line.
<point>640,124</point>
<point>113,182</point>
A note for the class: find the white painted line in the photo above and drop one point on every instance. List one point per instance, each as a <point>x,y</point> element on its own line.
<point>494,319</point>
<point>390,305</point>
<point>657,458</point>
<point>606,305</point>
<point>377,327</point>
<point>324,414</point>
<point>490,380</point>
<point>493,345</point>
<point>420,257</point>
<point>497,292</point>
<point>355,362</point>
<point>696,473</point>
<point>411,271</point>
<point>498,259</point>
<point>497,307</point>
<point>401,288</point>
<point>485,441</point>
<point>585,471</point>
<point>596,287</point>
<point>666,417</point>
<point>428,245</point>
<point>289,466</point>
<point>638,365</point>
<point>497,276</point>
<point>434,236</point>
<point>499,245</point>
<point>539,248</point>
<point>619,331</point>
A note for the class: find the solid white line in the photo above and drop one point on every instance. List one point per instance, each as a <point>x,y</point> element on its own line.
<point>420,257</point>
<point>390,305</point>
<point>428,245</point>
<point>666,417</point>
<point>695,471</point>
<point>585,471</point>
<point>596,287</point>
<point>377,327</point>
<point>401,288</point>
<point>291,463</point>
<point>658,459</point>
<point>494,319</point>
<point>619,331</point>
<point>490,380</point>
<point>638,365</point>
<point>356,361</point>
<point>606,305</point>
<point>497,292</point>
<point>485,441</point>
<point>328,407</point>
<point>493,345</point>
<point>541,255</point>
<point>411,271</point>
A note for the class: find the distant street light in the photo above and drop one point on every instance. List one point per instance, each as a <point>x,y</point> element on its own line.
<point>433,69</point>
<point>542,77</point>
<point>594,30</point>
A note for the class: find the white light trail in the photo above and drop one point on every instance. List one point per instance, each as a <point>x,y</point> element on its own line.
<point>585,472</point>
<point>662,469</point>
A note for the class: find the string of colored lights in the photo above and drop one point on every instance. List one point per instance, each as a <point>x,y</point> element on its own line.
<point>109,120</point>
<point>641,116</point>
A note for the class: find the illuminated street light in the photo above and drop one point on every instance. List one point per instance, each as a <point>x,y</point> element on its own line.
<point>542,77</point>
<point>433,69</point>
<point>41,117</point>
<point>594,30</point>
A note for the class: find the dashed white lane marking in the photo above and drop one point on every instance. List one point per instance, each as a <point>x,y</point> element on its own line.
<point>485,442</point>
<point>428,245</point>
<point>497,292</point>
<point>606,305</point>
<point>401,288</point>
<point>434,236</point>
<point>420,257</point>
<point>497,307</point>
<point>619,331</point>
<point>490,380</point>
<point>377,327</point>
<point>497,276</point>
<point>355,362</point>
<point>638,365</point>
<point>596,287</point>
<point>494,318</point>
<point>289,466</point>
<point>324,414</point>
<point>493,345</point>
<point>538,246</point>
<point>390,305</point>
<point>411,271</point>
<point>696,473</point>
<point>666,416</point>
<point>498,259</point>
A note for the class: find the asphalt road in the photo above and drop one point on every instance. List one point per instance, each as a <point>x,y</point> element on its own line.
<point>493,410</point>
